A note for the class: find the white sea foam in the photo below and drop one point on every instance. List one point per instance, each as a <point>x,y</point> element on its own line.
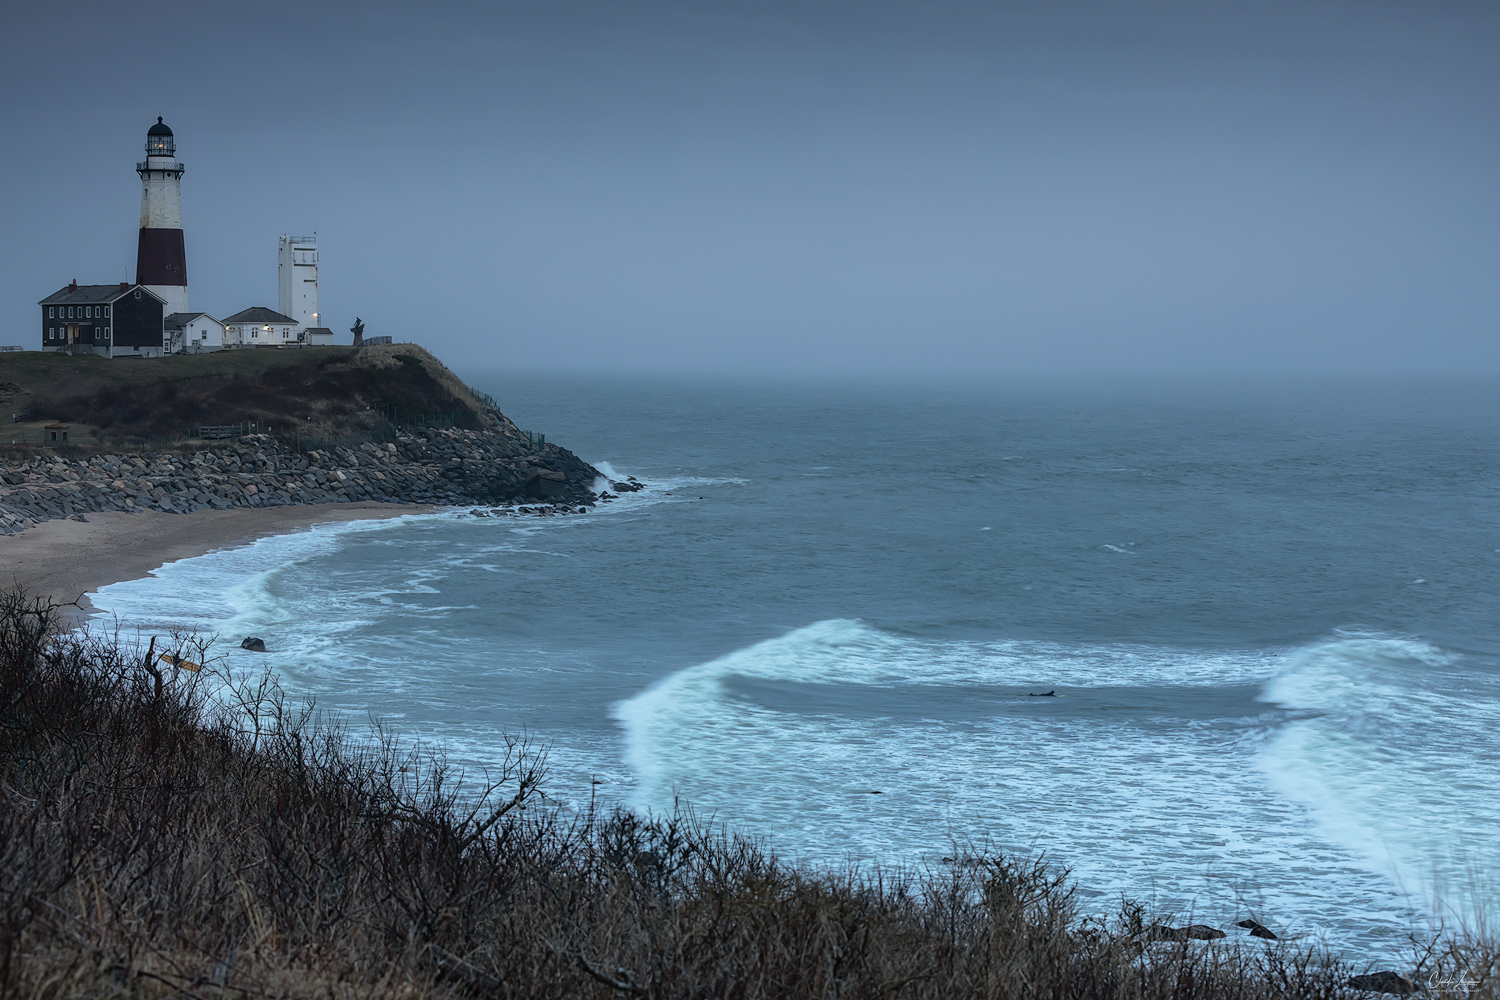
<point>1332,804</point>
<point>1222,813</point>
<point>658,489</point>
<point>222,588</point>
<point>1397,760</point>
<point>372,578</point>
<point>230,588</point>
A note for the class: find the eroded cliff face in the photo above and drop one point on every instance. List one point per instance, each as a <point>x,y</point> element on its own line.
<point>434,466</point>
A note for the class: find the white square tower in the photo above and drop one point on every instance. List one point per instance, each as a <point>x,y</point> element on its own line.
<point>297,279</point>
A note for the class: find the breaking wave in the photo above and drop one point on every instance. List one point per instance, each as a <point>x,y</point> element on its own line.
<point>1227,783</point>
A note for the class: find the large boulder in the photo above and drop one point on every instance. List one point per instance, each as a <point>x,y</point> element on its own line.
<point>254,644</point>
<point>544,484</point>
<point>1384,982</point>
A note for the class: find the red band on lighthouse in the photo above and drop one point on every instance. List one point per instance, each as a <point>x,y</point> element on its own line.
<point>161,258</point>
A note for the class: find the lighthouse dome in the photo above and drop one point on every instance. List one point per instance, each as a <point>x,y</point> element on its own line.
<point>159,141</point>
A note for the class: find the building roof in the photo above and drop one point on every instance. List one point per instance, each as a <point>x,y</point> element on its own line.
<point>74,293</point>
<point>176,321</point>
<point>261,315</point>
<point>318,329</point>
<point>158,128</point>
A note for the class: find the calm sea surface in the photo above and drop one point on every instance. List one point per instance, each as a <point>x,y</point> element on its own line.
<point>1267,610</point>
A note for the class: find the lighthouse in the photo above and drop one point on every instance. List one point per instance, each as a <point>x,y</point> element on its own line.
<point>161,256</point>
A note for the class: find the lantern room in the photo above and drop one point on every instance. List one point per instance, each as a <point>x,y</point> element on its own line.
<point>159,141</point>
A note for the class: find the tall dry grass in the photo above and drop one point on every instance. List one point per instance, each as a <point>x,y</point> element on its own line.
<point>159,842</point>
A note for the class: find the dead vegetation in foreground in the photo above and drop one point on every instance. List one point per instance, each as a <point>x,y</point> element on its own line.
<point>154,843</point>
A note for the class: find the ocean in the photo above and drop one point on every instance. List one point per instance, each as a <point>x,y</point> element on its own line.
<point>1265,610</point>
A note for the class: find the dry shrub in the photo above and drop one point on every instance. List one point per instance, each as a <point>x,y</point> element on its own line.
<point>176,834</point>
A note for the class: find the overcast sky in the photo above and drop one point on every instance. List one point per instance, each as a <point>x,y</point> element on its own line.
<point>791,187</point>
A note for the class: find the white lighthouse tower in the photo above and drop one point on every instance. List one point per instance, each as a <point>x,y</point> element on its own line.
<point>297,279</point>
<point>161,256</point>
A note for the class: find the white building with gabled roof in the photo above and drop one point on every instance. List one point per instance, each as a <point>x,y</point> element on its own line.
<point>259,326</point>
<point>192,333</point>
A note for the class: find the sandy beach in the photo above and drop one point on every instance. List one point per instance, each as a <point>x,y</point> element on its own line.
<point>66,559</point>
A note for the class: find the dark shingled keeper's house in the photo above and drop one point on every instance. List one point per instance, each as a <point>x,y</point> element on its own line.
<point>116,321</point>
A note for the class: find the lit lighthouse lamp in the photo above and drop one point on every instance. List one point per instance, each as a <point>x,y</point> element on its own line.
<point>161,255</point>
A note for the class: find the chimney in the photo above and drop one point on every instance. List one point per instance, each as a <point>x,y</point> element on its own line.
<point>124,285</point>
<point>73,285</point>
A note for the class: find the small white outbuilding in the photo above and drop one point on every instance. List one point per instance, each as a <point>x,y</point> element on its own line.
<point>192,333</point>
<point>259,326</point>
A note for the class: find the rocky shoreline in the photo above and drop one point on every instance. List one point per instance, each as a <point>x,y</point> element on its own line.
<point>432,466</point>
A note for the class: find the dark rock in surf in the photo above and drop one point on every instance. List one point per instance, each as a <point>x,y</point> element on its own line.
<point>254,645</point>
<point>1192,932</point>
<point>1257,929</point>
<point>1384,982</point>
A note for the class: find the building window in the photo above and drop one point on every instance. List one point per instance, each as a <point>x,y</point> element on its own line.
<point>51,333</point>
<point>106,312</point>
<point>51,314</point>
<point>70,312</point>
